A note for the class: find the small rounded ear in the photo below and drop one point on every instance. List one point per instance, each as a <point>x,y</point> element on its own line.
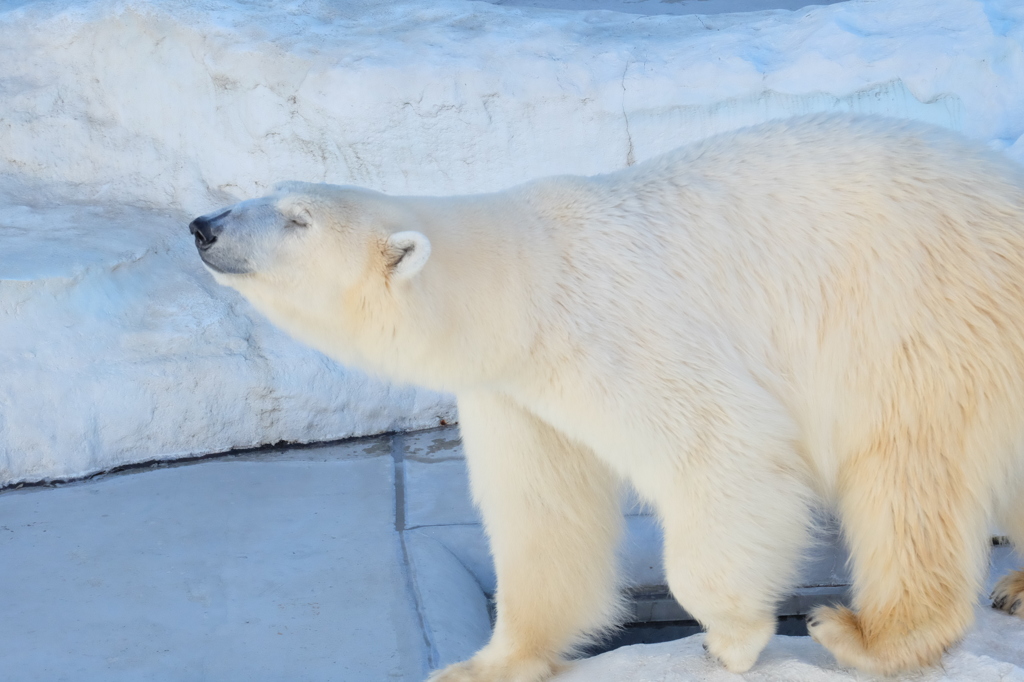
<point>406,253</point>
<point>301,216</point>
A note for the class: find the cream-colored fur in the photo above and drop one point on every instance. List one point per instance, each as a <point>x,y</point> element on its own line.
<point>820,310</point>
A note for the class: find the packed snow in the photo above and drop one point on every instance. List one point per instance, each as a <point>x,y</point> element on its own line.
<point>667,6</point>
<point>122,119</point>
<point>992,652</point>
<point>185,105</point>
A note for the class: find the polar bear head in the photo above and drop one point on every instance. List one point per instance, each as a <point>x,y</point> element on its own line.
<point>312,258</point>
<point>438,291</point>
<point>337,233</point>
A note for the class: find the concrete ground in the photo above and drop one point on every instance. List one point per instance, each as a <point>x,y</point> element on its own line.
<point>277,566</point>
<point>360,561</point>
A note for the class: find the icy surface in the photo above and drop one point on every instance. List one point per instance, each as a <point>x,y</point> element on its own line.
<point>121,119</point>
<point>992,652</point>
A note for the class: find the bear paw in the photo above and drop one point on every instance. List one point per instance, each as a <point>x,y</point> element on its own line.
<point>476,670</point>
<point>1009,594</point>
<point>889,651</point>
<point>837,630</point>
<point>738,646</point>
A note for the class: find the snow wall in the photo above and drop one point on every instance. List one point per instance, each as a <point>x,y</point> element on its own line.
<point>120,121</point>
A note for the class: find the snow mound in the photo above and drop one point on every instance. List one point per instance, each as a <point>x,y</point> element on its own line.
<point>122,119</point>
<point>188,104</point>
<point>992,652</point>
<point>669,6</point>
<point>117,347</point>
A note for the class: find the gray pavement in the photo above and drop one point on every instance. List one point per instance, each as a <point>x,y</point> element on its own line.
<point>359,561</point>
<point>288,568</point>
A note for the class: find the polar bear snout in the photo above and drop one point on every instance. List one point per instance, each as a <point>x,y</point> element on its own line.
<point>234,248</point>
<point>205,229</point>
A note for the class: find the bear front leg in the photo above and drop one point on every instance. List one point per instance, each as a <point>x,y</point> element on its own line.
<point>551,510</point>
<point>736,521</point>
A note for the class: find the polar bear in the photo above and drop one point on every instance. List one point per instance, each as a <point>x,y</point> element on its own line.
<point>826,310</point>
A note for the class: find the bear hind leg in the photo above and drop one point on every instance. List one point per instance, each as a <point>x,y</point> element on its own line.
<point>917,542</point>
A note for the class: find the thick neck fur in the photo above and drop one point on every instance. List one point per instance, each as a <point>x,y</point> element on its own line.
<point>468,318</point>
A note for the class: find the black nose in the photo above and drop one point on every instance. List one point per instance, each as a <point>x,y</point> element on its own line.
<point>206,230</point>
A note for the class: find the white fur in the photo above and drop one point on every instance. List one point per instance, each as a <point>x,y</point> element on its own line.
<point>826,309</point>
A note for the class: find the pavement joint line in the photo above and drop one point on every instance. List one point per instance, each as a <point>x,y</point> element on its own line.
<point>408,569</point>
<point>398,455</point>
<point>441,525</point>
